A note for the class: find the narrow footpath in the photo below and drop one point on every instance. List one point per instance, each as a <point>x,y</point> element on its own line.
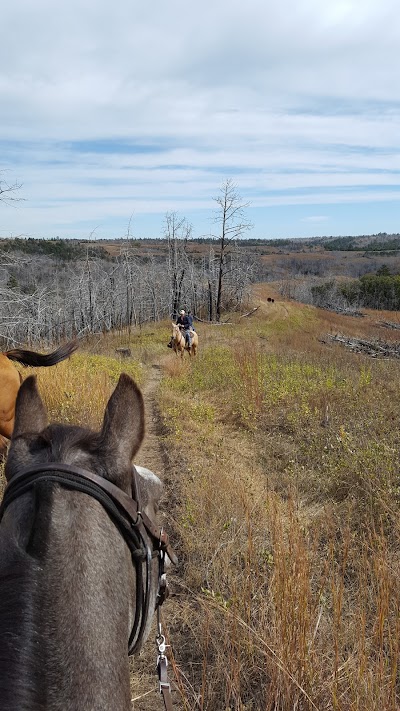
<point>144,681</point>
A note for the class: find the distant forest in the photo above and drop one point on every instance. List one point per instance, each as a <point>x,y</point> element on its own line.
<point>54,289</point>
<point>51,290</point>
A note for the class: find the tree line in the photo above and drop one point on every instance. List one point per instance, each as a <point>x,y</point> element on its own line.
<point>373,291</point>
<point>63,290</point>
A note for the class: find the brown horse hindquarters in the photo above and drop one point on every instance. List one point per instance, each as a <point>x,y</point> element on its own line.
<point>10,380</point>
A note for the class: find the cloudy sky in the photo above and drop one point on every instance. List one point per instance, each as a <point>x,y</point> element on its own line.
<point>116,109</point>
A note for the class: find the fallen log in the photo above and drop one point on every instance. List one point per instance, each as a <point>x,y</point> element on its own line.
<point>249,313</point>
<point>214,323</point>
<point>124,352</point>
<point>343,311</point>
<point>388,324</point>
<point>373,348</point>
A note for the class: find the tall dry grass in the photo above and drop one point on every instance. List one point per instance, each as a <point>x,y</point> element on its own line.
<point>77,390</point>
<point>284,498</point>
<point>287,515</point>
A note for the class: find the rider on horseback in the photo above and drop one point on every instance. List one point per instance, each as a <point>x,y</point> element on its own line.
<point>184,324</point>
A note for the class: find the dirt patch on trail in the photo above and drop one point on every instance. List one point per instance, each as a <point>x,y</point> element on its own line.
<point>144,682</point>
<point>150,454</point>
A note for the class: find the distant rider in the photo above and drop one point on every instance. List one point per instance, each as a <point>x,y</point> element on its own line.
<point>190,317</point>
<point>183,321</point>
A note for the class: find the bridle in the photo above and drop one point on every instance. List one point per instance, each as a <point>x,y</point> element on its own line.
<point>143,537</point>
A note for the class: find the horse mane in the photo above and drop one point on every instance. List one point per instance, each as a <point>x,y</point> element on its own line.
<point>22,662</point>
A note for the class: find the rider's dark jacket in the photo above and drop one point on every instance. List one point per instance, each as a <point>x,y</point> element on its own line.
<point>183,321</point>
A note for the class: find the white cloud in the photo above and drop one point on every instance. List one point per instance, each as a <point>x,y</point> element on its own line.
<point>297,101</point>
<point>315,218</point>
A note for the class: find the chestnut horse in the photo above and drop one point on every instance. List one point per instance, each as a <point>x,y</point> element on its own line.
<point>10,378</point>
<point>179,344</point>
<point>80,557</point>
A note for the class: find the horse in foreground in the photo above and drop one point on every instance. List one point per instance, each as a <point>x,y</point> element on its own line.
<point>80,557</point>
<point>178,342</point>
<point>10,378</point>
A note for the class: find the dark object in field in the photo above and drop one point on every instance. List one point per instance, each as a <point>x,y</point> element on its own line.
<point>124,352</point>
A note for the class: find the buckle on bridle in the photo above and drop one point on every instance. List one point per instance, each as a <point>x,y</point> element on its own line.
<point>138,517</point>
<point>164,686</point>
<point>165,546</point>
<point>162,664</point>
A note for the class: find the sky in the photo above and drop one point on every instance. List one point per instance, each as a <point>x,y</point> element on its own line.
<point>113,114</point>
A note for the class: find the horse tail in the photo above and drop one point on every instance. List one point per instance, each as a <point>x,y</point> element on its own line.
<point>39,360</point>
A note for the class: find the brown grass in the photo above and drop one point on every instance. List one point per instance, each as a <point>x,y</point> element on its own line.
<point>284,501</point>
<point>288,494</point>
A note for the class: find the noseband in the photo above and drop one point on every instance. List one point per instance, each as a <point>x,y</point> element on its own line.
<point>126,513</point>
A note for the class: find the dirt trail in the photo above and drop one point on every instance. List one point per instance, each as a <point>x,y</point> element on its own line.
<point>144,681</point>
<point>150,453</point>
<point>277,309</point>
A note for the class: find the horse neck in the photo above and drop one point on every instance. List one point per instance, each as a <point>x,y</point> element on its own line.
<point>77,587</point>
<point>179,337</point>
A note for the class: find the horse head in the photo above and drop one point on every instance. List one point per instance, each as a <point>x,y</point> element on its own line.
<point>71,601</point>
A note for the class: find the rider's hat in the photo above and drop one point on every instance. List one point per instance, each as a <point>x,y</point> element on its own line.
<point>182,311</point>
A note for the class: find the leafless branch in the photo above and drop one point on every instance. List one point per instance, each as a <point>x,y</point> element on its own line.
<point>8,190</point>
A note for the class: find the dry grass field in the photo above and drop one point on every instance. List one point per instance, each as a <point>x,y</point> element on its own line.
<point>280,460</point>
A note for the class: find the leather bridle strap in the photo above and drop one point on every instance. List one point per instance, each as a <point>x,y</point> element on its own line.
<point>133,525</point>
<point>126,502</point>
<point>132,530</point>
<point>165,686</point>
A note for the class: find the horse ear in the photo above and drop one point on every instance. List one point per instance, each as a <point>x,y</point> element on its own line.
<point>123,425</point>
<point>30,412</point>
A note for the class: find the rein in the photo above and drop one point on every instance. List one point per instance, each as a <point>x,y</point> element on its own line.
<point>135,527</point>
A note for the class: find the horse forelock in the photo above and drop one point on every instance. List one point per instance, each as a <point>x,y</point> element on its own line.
<point>22,660</point>
<point>65,576</point>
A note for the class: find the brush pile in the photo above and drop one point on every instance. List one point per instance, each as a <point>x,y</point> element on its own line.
<point>373,348</point>
<point>389,324</point>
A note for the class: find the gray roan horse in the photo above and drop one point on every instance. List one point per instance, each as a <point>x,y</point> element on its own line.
<point>71,602</point>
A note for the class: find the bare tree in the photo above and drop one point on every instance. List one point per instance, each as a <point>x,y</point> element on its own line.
<point>177,231</point>
<point>8,191</point>
<point>230,217</point>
